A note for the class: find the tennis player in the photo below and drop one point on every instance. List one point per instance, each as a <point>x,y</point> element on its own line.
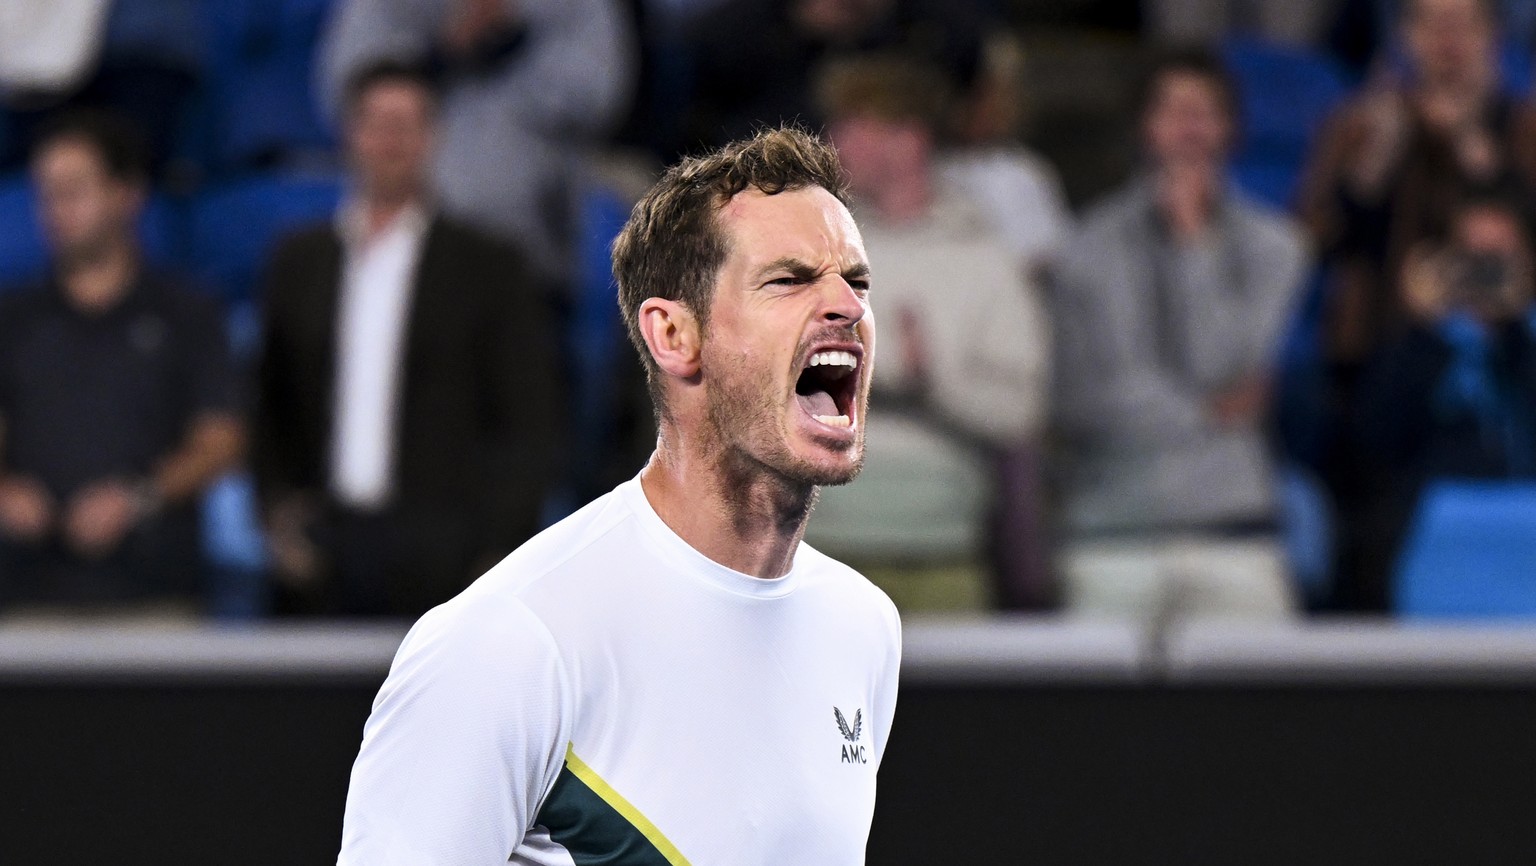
<point>670,676</point>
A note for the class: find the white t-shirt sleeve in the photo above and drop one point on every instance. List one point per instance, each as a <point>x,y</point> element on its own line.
<point>465,739</point>
<point>884,709</point>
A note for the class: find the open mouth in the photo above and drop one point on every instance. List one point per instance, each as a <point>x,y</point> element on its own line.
<point>827,387</point>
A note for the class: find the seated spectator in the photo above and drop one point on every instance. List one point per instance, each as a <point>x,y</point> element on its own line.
<point>409,408</point>
<point>1455,395</point>
<point>528,88</point>
<point>963,348</point>
<point>1018,189</point>
<point>1170,305</point>
<point>117,400</point>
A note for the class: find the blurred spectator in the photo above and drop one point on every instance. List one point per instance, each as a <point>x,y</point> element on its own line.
<point>1454,397</point>
<point>1295,22</point>
<point>1385,178</point>
<point>140,58</point>
<point>409,415</point>
<point>117,399</point>
<point>754,60</point>
<point>963,347</point>
<point>1019,191</point>
<point>1171,302</point>
<point>1391,165</point>
<point>528,86</point>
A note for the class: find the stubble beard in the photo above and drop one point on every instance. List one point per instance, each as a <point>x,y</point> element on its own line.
<point>755,463</point>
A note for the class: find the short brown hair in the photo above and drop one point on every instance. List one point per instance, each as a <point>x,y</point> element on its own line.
<point>362,82</point>
<point>672,247</point>
<point>890,87</point>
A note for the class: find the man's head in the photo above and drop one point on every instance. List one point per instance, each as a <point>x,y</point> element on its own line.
<point>1451,42</point>
<point>883,114</point>
<point>91,172</point>
<point>744,285</point>
<point>391,117</point>
<point>1188,110</point>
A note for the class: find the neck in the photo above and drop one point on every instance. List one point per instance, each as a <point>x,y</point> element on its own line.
<point>381,209</point>
<point>727,506</point>
<point>99,281</point>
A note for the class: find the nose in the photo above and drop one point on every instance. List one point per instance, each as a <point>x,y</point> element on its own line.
<point>843,306</point>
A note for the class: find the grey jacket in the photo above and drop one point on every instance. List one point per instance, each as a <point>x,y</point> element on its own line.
<point>512,142</point>
<point>1147,332</point>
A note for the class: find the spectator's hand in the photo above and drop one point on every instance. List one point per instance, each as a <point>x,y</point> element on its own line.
<point>297,560</point>
<point>473,21</point>
<point>1186,196</point>
<point>1244,403</point>
<point>1457,114</point>
<point>1426,285</point>
<point>101,516</point>
<point>26,509</point>
<point>1387,129</point>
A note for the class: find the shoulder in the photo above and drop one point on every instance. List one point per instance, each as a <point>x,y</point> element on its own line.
<point>561,555</point>
<point>182,301</point>
<point>465,238</point>
<point>478,257</point>
<point>1107,226</point>
<point>1267,230</point>
<point>484,631</point>
<point>23,301</point>
<point>851,591</point>
<point>303,244</point>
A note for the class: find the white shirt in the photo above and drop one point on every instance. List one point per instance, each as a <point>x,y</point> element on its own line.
<point>378,276</point>
<point>607,691</point>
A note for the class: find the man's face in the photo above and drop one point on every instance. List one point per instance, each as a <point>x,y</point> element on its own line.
<point>787,356</point>
<point>1187,122</point>
<point>876,151</point>
<point>1449,40</point>
<point>83,208</point>
<point>389,138</point>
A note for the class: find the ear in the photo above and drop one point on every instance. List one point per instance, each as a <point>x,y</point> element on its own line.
<point>671,332</point>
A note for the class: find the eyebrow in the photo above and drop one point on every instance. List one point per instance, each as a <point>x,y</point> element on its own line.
<point>802,271</point>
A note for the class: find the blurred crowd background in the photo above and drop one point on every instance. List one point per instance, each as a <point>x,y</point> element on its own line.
<point>1186,307</point>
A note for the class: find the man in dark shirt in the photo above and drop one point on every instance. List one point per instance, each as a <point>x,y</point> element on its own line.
<point>117,401</point>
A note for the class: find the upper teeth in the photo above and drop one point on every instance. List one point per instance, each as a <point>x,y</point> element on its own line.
<point>834,359</point>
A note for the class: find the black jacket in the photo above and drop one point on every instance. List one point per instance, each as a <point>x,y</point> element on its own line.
<point>480,424</point>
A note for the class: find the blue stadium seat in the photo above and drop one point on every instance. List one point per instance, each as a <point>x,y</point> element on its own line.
<point>1286,94</point>
<point>24,256</point>
<point>1471,552</point>
<point>262,82</point>
<point>235,226</point>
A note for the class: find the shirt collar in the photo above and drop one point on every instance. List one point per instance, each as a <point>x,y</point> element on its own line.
<point>352,220</point>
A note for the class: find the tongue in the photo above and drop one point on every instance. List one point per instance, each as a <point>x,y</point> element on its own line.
<point>818,403</point>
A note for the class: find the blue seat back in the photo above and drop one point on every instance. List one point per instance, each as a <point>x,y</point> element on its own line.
<point>1286,95</point>
<point>262,87</point>
<point>1471,552</point>
<point>236,226</point>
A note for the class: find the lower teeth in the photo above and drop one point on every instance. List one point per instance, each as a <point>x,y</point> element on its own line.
<point>834,420</point>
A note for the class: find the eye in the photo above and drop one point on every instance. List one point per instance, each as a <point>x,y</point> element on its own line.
<point>859,285</point>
